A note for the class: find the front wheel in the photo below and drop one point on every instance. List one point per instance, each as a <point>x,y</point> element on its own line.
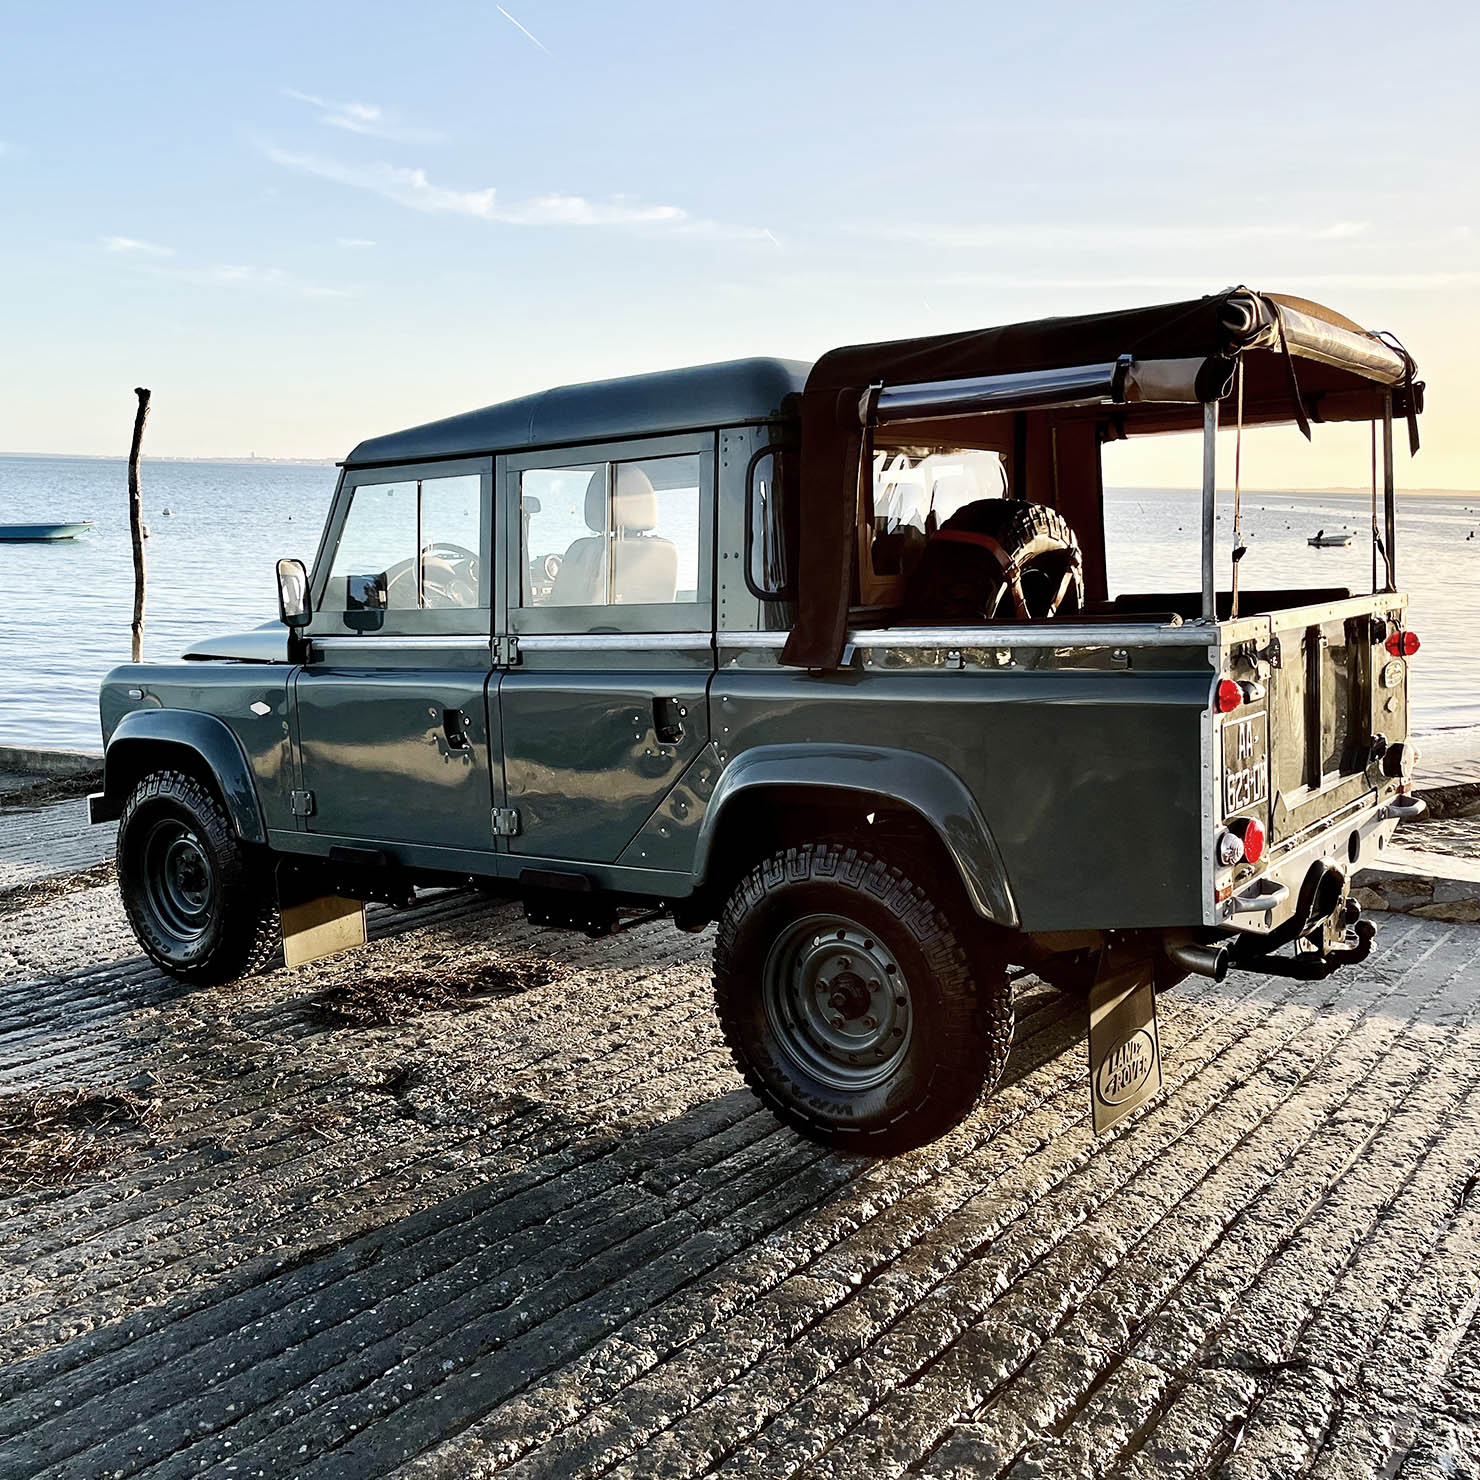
<point>201,907</point>
<point>848,999</point>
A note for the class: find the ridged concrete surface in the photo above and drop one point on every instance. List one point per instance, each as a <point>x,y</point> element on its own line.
<point>546,1233</point>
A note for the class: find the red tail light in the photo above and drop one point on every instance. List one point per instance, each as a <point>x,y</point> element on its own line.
<point>1228,697</point>
<point>1402,644</point>
<point>1252,832</point>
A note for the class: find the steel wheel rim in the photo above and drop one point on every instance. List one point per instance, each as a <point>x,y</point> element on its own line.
<point>179,881</point>
<point>837,1001</point>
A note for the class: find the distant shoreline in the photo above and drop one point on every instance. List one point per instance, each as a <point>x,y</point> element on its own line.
<point>333,462</point>
<point>236,462</point>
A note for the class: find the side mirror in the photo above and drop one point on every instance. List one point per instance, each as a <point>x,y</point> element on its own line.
<point>293,607</point>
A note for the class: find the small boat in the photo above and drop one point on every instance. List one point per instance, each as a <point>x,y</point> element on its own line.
<point>1336,537</point>
<point>17,532</point>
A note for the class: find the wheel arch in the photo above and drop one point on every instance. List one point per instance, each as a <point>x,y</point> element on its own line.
<point>806,777</point>
<point>200,745</point>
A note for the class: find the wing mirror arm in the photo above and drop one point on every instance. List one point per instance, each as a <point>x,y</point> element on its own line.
<point>293,607</point>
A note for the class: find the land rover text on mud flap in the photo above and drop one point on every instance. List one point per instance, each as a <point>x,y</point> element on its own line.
<point>825,654</point>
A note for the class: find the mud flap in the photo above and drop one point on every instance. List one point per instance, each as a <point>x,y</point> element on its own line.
<point>321,927</point>
<point>1124,1047</point>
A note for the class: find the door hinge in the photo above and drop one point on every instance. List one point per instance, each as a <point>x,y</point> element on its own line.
<point>302,803</point>
<point>506,651</point>
<point>505,822</point>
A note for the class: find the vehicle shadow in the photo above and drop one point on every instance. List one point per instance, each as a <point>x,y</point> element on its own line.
<point>467,1242</point>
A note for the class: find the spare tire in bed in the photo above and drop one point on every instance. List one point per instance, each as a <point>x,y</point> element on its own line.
<point>997,560</point>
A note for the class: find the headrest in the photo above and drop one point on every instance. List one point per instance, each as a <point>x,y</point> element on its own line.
<point>635,505</point>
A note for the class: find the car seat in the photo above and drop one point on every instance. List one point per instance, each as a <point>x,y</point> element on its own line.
<point>644,565</point>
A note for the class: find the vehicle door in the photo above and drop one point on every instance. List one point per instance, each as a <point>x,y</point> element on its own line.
<point>393,737</point>
<point>611,613</point>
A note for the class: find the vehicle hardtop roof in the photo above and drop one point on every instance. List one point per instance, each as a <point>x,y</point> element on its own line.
<point>698,397</point>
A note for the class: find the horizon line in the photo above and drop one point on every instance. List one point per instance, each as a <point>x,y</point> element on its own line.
<point>334,462</point>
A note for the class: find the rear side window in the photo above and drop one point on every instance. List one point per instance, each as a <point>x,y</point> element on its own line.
<point>914,491</point>
<point>619,533</point>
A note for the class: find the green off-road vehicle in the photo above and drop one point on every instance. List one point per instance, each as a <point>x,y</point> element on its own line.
<point>825,654</point>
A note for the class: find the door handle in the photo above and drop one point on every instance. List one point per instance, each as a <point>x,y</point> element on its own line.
<point>454,729</point>
<point>668,718</point>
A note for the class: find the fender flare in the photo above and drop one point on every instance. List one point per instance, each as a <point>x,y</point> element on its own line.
<point>926,786</point>
<point>208,737</point>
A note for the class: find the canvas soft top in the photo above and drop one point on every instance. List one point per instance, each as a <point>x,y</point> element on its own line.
<point>1133,371</point>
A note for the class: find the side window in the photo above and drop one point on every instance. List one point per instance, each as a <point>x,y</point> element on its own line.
<point>562,515</point>
<point>412,545</point>
<point>451,541</point>
<point>621,533</point>
<point>378,540</point>
<point>915,490</point>
<point>766,535</point>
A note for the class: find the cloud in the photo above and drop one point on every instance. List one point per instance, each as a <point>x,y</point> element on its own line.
<point>1047,236</point>
<point>413,189</point>
<point>530,34</point>
<point>355,241</point>
<point>361,118</point>
<point>243,275</point>
<point>407,187</point>
<point>133,244</point>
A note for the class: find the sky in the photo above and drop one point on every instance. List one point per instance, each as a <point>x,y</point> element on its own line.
<point>304,224</point>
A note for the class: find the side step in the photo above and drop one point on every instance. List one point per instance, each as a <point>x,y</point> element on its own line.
<point>562,899</point>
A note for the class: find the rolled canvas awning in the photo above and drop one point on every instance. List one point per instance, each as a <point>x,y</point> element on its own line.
<point>1137,370</point>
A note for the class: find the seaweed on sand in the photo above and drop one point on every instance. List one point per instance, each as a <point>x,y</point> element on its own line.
<point>387,998</point>
<point>48,1140</point>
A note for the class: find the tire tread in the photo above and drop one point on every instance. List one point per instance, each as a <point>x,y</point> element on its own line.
<point>963,1076</point>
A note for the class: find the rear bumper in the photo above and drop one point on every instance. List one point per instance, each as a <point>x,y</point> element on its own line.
<point>1349,840</point>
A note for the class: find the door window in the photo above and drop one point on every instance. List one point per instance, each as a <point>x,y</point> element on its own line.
<point>619,533</point>
<point>411,545</point>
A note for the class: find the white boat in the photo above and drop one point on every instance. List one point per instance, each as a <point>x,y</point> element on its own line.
<point>32,533</point>
<point>1334,537</point>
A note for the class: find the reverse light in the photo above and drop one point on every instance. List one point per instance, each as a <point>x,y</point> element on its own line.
<point>1228,696</point>
<point>1251,837</point>
<point>1230,848</point>
<point>1402,644</point>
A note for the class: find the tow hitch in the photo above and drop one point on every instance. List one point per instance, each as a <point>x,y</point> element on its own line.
<point>1327,929</point>
<point>1312,961</point>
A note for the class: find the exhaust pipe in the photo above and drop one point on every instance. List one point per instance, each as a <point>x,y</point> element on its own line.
<point>1200,960</point>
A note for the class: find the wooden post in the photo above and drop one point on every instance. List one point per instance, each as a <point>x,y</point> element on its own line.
<point>136,519</point>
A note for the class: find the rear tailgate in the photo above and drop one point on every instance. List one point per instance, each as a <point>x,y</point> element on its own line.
<point>1323,702</point>
<point>1338,700</point>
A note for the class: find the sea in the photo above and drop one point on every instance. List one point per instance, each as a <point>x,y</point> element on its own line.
<point>216,529</point>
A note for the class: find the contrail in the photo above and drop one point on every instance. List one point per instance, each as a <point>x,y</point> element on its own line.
<point>525,29</point>
<point>774,238</point>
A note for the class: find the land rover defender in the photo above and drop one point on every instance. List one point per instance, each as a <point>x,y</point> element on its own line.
<point>825,654</point>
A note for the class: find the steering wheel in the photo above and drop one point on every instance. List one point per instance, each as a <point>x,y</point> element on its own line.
<point>459,587</point>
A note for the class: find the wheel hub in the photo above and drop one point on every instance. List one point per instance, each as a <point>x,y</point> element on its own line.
<point>178,879</point>
<point>838,1002</point>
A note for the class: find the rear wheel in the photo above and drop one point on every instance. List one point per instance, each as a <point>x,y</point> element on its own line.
<point>848,999</point>
<point>201,907</point>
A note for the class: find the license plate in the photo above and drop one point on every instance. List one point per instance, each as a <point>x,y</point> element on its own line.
<point>1245,764</point>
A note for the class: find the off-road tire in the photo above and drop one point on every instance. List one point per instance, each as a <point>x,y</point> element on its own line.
<point>237,931</point>
<point>949,585</point>
<point>960,1023</point>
